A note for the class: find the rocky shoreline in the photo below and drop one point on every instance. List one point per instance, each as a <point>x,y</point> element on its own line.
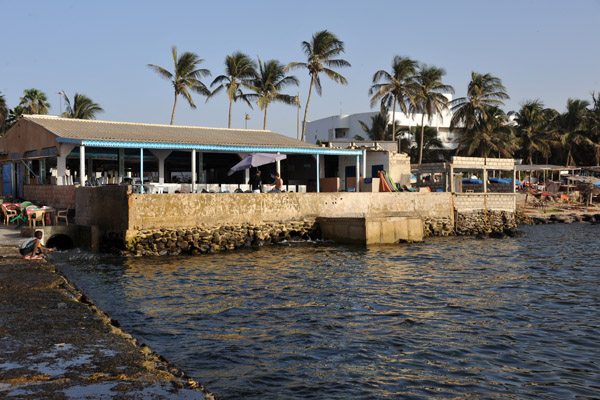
<point>57,344</point>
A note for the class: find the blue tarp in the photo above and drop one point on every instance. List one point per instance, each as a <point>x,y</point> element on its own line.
<point>472,181</point>
<point>597,184</point>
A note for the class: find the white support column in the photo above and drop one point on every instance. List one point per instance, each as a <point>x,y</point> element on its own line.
<point>485,178</point>
<point>364,163</point>
<point>193,170</point>
<point>82,165</point>
<point>278,166</point>
<point>141,170</point>
<point>318,174</point>
<point>357,173</point>
<point>452,188</point>
<point>161,156</point>
<point>247,175</point>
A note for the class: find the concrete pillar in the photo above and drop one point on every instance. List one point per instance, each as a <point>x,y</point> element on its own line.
<point>247,175</point>
<point>161,156</point>
<point>121,158</point>
<point>318,174</point>
<point>452,188</point>
<point>485,178</point>
<point>82,165</point>
<point>193,170</point>
<point>364,163</point>
<point>357,173</point>
<point>61,170</point>
<point>141,170</point>
<point>278,166</point>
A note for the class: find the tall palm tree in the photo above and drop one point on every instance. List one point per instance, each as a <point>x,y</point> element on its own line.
<point>483,91</point>
<point>431,144</point>
<point>396,88</point>
<point>490,134</point>
<point>82,108</point>
<point>320,53</point>
<point>532,129</point>
<point>3,111</point>
<point>34,102</point>
<point>271,79</point>
<point>240,72</point>
<point>185,77</point>
<point>594,123</point>
<point>571,125</point>
<point>429,98</point>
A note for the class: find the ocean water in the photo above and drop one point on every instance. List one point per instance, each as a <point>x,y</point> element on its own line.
<point>447,318</point>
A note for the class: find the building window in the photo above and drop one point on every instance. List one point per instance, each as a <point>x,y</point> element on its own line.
<point>340,133</point>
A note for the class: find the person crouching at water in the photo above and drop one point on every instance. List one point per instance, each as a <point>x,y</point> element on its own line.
<point>277,184</point>
<point>32,248</point>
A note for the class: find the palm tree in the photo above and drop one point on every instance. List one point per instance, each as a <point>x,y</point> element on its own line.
<point>3,111</point>
<point>271,79</point>
<point>240,71</point>
<point>185,77</point>
<point>34,102</point>
<point>431,143</point>
<point>83,107</point>
<point>492,133</point>
<point>429,97</point>
<point>594,123</point>
<point>380,127</point>
<point>397,87</point>
<point>483,91</point>
<point>571,125</point>
<point>532,129</point>
<point>319,53</point>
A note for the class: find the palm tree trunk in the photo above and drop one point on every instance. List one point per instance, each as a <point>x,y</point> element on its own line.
<point>394,122</point>
<point>230,106</point>
<point>174,107</point>
<point>265,121</point>
<point>422,136</point>
<point>312,80</point>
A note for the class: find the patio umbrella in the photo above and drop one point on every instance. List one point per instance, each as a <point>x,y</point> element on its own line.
<point>256,160</point>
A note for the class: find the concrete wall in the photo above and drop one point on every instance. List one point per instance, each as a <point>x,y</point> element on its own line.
<point>60,197</point>
<point>470,202</point>
<point>175,211</point>
<point>104,206</point>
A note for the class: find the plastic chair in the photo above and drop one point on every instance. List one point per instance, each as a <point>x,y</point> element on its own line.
<point>37,216</point>
<point>62,214</point>
<point>8,214</point>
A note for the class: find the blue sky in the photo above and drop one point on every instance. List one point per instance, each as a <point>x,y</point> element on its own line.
<point>540,49</point>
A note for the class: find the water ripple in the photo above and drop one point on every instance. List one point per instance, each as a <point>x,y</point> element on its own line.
<point>447,318</point>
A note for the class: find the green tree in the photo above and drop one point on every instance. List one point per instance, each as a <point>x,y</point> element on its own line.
<point>240,72</point>
<point>82,108</point>
<point>533,134</point>
<point>269,82</point>
<point>571,128</point>
<point>594,123</point>
<point>34,102</point>
<point>185,77</point>
<point>3,112</point>
<point>379,129</point>
<point>396,87</point>
<point>429,98</point>
<point>432,145</point>
<point>483,91</point>
<point>492,133</point>
<point>320,53</point>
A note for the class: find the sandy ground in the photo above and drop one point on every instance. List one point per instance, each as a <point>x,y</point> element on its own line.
<point>55,344</point>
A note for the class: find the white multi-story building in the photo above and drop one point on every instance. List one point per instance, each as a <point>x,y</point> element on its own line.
<point>341,129</point>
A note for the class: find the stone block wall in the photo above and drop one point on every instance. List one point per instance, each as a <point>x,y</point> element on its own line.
<point>210,239</point>
<point>59,197</point>
<point>469,202</point>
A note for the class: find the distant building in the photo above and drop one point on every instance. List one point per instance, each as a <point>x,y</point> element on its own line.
<point>345,128</point>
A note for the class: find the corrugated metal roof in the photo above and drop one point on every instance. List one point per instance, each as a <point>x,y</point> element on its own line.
<point>78,129</point>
